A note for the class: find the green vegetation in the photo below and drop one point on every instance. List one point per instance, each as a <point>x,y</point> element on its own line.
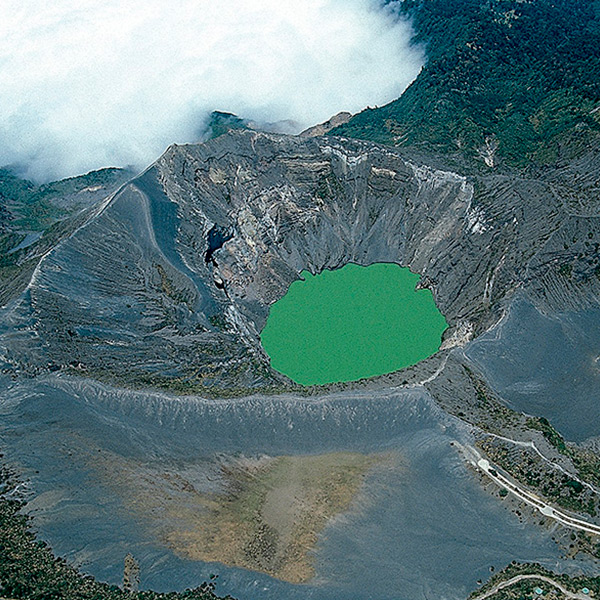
<point>352,323</point>
<point>492,416</point>
<point>586,462</point>
<point>542,424</point>
<point>29,571</point>
<point>31,206</point>
<point>525,588</point>
<point>513,82</point>
<point>221,122</point>
<point>487,412</point>
<point>483,409</point>
<point>530,470</point>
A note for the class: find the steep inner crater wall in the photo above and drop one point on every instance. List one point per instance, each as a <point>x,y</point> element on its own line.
<point>171,284</point>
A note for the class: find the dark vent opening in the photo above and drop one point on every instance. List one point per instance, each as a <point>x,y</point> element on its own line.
<point>217,236</point>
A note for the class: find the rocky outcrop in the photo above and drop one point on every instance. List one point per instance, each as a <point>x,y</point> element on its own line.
<point>322,128</point>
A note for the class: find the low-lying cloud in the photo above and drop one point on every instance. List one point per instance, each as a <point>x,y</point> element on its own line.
<point>91,83</point>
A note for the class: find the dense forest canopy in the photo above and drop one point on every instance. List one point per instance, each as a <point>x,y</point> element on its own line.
<point>507,81</point>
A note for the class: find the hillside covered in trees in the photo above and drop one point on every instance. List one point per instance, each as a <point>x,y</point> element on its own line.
<point>513,82</point>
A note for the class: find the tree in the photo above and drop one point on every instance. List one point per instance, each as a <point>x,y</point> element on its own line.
<point>131,574</point>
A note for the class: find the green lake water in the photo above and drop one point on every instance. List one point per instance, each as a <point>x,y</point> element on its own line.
<point>352,323</point>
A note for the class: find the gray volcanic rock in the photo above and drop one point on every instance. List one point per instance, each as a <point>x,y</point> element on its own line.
<point>171,283</point>
<point>35,218</point>
<point>327,126</point>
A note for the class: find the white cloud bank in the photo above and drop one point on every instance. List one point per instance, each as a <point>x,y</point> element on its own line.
<point>92,83</point>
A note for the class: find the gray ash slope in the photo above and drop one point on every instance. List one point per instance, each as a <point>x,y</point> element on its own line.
<point>34,218</point>
<point>170,284</point>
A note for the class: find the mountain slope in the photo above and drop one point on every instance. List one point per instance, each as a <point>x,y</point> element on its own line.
<point>34,218</point>
<point>508,82</point>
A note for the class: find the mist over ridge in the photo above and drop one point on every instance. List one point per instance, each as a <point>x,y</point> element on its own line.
<point>90,84</point>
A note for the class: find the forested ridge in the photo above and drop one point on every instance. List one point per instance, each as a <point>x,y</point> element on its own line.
<point>512,82</point>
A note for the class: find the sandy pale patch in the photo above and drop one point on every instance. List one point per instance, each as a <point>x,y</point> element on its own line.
<point>269,517</point>
<point>263,514</point>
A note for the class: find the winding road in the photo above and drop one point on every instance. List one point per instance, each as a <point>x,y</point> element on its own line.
<point>554,465</point>
<point>504,584</point>
<point>546,509</point>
